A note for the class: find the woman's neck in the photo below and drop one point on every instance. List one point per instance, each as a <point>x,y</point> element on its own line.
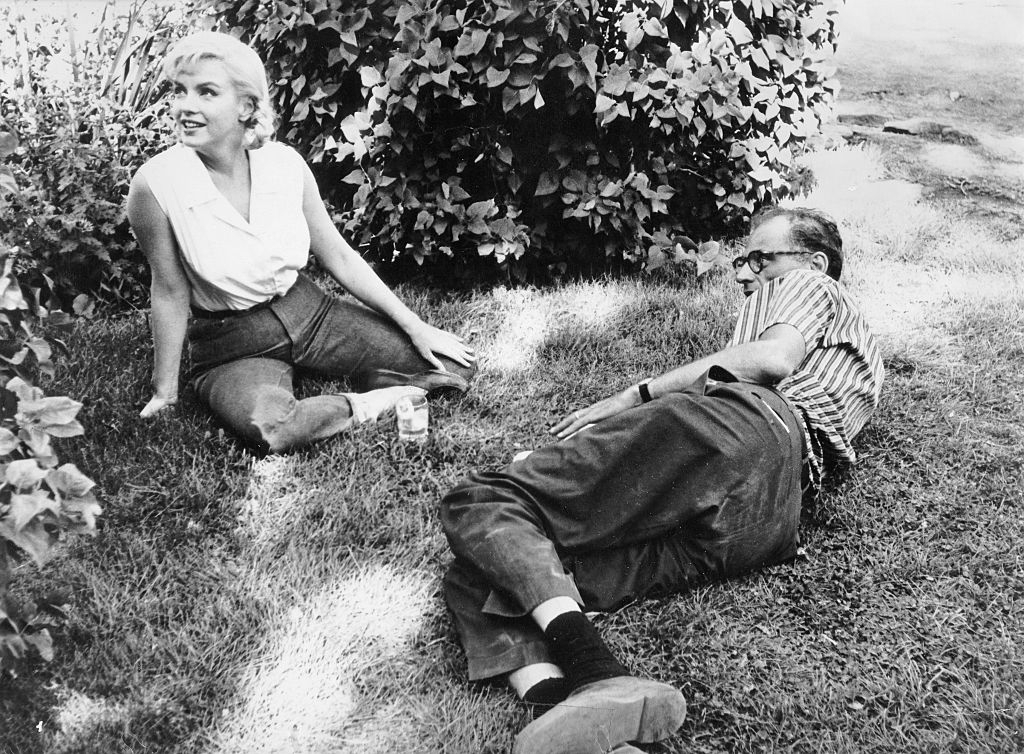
<point>227,162</point>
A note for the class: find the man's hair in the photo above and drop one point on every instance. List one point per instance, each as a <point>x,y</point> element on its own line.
<point>809,230</point>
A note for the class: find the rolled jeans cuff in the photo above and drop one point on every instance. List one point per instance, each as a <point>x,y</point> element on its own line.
<point>515,657</point>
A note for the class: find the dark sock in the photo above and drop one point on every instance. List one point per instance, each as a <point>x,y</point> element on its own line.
<point>579,650</point>
<point>545,694</point>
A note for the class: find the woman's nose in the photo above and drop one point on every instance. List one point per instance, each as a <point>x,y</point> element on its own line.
<point>184,102</point>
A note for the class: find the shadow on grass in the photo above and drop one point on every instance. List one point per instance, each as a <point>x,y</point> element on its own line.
<point>235,603</point>
<point>238,603</point>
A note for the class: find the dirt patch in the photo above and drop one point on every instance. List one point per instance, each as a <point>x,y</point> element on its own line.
<point>954,160</point>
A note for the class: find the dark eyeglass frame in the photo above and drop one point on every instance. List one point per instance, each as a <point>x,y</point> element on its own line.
<point>758,259</point>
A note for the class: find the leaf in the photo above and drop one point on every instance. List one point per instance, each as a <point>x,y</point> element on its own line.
<point>615,83</point>
<point>24,474</point>
<point>36,540</point>
<point>81,513</point>
<point>12,647</point>
<point>370,76</point>
<point>634,38</point>
<point>497,76</point>
<point>24,508</point>
<point>654,28</point>
<point>629,22</point>
<point>53,410</point>
<point>68,480</point>
<point>480,209</point>
<point>655,259</point>
<point>509,99</point>
<point>739,31</point>
<point>8,144</point>
<point>42,641</point>
<point>685,242</point>
<point>8,441</point>
<point>562,60</point>
<point>575,181</point>
<point>70,429</point>
<point>588,55</point>
<point>471,42</point>
<point>603,103</point>
<point>12,298</point>
<point>41,349</point>
<point>458,194</point>
<point>83,305</point>
<point>710,250</point>
<point>548,184</point>
<point>355,177</point>
<point>8,185</point>
<point>682,254</point>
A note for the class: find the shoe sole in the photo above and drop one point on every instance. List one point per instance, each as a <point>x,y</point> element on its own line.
<point>603,715</point>
<point>388,378</point>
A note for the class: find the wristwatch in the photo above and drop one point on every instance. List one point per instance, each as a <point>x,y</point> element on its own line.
<point>645,393</point>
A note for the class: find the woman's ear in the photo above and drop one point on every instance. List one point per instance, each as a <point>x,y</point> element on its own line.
<point>247,112</point>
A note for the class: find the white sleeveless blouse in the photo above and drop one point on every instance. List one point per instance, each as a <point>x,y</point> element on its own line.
<point>232,263</point>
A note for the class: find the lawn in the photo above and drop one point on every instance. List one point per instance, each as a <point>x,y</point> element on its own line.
<point>233,603</point>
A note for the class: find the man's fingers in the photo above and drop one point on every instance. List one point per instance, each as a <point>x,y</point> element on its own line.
<point>568,424</point>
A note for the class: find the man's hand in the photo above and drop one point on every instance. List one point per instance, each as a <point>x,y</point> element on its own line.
<point>157,404</point>
<point>430,340</point>
<point>610,406</point>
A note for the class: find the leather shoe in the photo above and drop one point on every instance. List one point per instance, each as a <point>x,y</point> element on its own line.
<point>603,715</point>
<point>434,381</point>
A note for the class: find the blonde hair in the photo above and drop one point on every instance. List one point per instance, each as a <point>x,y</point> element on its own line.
<point>243,66</point>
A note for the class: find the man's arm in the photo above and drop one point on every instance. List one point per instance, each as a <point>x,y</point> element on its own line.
<point>765,361</point>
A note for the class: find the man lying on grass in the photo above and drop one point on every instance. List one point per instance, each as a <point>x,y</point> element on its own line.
<point>692,476</point>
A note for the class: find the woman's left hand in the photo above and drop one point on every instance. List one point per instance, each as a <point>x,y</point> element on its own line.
<point>432,342</point>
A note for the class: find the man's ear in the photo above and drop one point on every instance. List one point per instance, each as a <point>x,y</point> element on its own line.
<point>819,261</point>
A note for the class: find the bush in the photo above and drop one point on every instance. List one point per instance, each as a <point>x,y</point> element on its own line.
<point>39,499</point>
<point>86,117</point>
<point>543,135</point>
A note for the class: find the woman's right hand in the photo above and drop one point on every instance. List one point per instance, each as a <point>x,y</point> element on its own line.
<point>157,404</point>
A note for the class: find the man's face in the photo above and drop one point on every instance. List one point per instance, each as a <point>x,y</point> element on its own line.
<point>771,236</point>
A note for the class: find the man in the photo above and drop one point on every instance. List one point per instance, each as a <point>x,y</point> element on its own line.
<point>692,476</point>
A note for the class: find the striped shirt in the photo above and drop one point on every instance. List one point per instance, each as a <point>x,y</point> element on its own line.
<point>837,385</point>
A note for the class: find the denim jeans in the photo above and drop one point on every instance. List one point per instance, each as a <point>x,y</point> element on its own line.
<point>243,365</point>
<point>686,489</point>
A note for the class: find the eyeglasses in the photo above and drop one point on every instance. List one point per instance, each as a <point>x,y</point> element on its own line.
<point>758,259</point>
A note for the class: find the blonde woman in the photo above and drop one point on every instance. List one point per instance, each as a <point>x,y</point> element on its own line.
<point>227,219</point>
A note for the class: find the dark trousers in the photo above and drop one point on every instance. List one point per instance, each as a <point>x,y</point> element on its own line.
<point>244,365</point>
<point>692,487</point>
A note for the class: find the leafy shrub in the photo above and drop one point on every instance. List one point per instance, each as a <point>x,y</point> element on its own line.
<point>39,499</point>
<point>86,116</point>
<point>543,134</point>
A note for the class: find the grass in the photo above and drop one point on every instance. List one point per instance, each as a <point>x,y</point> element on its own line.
<point>291,604</point>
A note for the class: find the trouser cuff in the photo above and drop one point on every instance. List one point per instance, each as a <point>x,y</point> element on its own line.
<point>519,656</point>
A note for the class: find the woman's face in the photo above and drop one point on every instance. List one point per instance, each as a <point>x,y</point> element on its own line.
<point>207,109</point>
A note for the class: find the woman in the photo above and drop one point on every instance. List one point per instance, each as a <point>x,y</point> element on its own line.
<point>227,219</point>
